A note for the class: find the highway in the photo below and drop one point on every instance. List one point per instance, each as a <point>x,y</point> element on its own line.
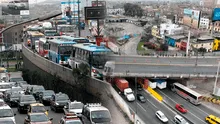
<point>165,60</point>
<point>196,114</point>
<point>146,111</point>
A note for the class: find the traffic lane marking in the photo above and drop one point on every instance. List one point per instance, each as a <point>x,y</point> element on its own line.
<point>188,111</point>
<point>141,107</point>
<point>152,103</point>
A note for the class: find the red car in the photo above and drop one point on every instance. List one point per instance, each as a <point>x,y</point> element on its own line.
<point>180,108</point>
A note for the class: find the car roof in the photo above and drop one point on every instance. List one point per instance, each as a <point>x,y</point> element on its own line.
<point>36,104</point>
<point>160,112</point>
<point>5,106</point>
<point>6,119</point>
<point>178,116</point>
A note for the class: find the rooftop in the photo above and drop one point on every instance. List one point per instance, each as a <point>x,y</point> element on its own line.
<point>177,37</point>
<point>91,47</point>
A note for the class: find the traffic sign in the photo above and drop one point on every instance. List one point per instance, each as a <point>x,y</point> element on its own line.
<point>98,12</point>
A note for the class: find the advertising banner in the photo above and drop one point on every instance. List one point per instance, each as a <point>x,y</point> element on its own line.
<point>13,7</point>
<point>191,18</point>
<point>216,14</point>
<point>69,9</point>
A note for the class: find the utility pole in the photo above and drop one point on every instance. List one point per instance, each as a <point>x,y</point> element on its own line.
<point>79,19</point>
<point>98,29</point>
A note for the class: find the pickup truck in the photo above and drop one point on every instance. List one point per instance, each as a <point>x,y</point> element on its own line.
<point>74,107</point>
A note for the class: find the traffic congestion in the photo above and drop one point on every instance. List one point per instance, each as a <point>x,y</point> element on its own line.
<point>18,97</point>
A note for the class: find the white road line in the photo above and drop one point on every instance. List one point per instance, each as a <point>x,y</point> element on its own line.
<point>202,111</point>
<point>142,107</point>
<point>151,103</point>
<point>188,111</point>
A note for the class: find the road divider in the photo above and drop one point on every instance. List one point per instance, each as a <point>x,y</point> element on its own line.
<point>211,99</point>
<point>155,94</point>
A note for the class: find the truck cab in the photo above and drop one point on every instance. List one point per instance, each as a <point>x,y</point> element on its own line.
<point>129,94</point>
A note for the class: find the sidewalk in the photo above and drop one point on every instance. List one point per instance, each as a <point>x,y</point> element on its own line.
<point>205,87</point>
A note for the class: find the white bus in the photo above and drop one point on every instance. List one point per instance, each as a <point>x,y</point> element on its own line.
<point>187,93</point>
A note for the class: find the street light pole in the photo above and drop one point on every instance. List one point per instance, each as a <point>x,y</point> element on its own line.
<point>216,79</point>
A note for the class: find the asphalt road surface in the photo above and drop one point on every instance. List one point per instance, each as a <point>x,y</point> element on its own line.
<point>146,111</point>
<point>196,114</point>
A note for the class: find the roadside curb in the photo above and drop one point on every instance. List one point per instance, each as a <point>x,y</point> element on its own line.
<point>177,111</point>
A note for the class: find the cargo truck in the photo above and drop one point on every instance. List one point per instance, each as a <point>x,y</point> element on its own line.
<point>123,86</point>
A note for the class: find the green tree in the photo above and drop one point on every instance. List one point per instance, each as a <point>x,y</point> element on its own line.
<point>1,21</point>
<point>80,74</point>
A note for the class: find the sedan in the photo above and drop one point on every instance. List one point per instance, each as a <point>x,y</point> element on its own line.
<point>160,115</point>
<point>180,108</point>
<point>37,118</point>
<point>141,98</point>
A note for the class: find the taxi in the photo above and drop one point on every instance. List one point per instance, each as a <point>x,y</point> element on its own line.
<point>211,119</point>
<point>37,108</point>
<point>69,119</point>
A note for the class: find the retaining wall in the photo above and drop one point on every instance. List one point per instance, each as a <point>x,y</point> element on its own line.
<point>96,87</point>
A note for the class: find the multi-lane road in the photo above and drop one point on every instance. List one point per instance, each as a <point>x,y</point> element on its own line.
<point>196,114</point>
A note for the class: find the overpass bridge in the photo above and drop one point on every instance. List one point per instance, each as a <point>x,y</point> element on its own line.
<point>162,67</point>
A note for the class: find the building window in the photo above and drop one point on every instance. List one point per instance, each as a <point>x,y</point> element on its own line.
<point>15,33</point>
<point>16,39</point>
<point>202,45</point>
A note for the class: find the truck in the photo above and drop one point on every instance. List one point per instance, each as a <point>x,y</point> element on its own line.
<point>161,84</point>
<point>123,86</point>
<point>73,107</point>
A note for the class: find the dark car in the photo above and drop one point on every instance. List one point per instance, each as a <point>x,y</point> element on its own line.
<point>36,90</point>
<point>46,96</point>
<point>58,101</point>
<point>24,102</point>
<point>12,98</point>
<point>141,98</point>
<point>139,87</point>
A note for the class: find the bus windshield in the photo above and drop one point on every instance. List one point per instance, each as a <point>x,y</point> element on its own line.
<point>100,116</point>
<point>99,61</point>
<point>65,49</point>
<point>46,46</point>
<point>35,38</point>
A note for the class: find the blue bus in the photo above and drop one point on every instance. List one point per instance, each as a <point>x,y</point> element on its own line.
<point>59,51</point>
<point>74,39</point>
<point>91,54</point>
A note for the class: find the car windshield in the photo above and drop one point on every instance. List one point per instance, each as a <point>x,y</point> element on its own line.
<point>6,86</point>
<point>76,106</point>
<point>163,116</point>
<point>38,89</point>
<point>36,109</point>
<point>7,122</point>
<point>62,98</point>
<point>38,118</point>
<point>74,122</point>
<point>6,113</point>
<point>141,97</point>
<point>48,93</point>
<point>100,116</point>
<point>16,79</point>
<point>27,98</point>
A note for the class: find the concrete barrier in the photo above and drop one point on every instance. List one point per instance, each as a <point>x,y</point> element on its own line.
<point>101,89</point>
<point>155,94</point>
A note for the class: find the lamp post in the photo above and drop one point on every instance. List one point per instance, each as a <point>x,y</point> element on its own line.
<point>216,79</point>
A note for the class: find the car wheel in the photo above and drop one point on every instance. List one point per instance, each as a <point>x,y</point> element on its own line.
<point>19,110</point>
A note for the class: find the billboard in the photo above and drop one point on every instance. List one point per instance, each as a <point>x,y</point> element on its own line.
<point>216,14</point>
<point>70,9</point>
<point>100,3</point>
<point>13,7</point>
<point>191,18</point>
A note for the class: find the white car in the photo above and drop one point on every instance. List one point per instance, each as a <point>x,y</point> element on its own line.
<point>16,5</point>
<point>179,120</point>
<point>160,115</point>
<point>6,112</point>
